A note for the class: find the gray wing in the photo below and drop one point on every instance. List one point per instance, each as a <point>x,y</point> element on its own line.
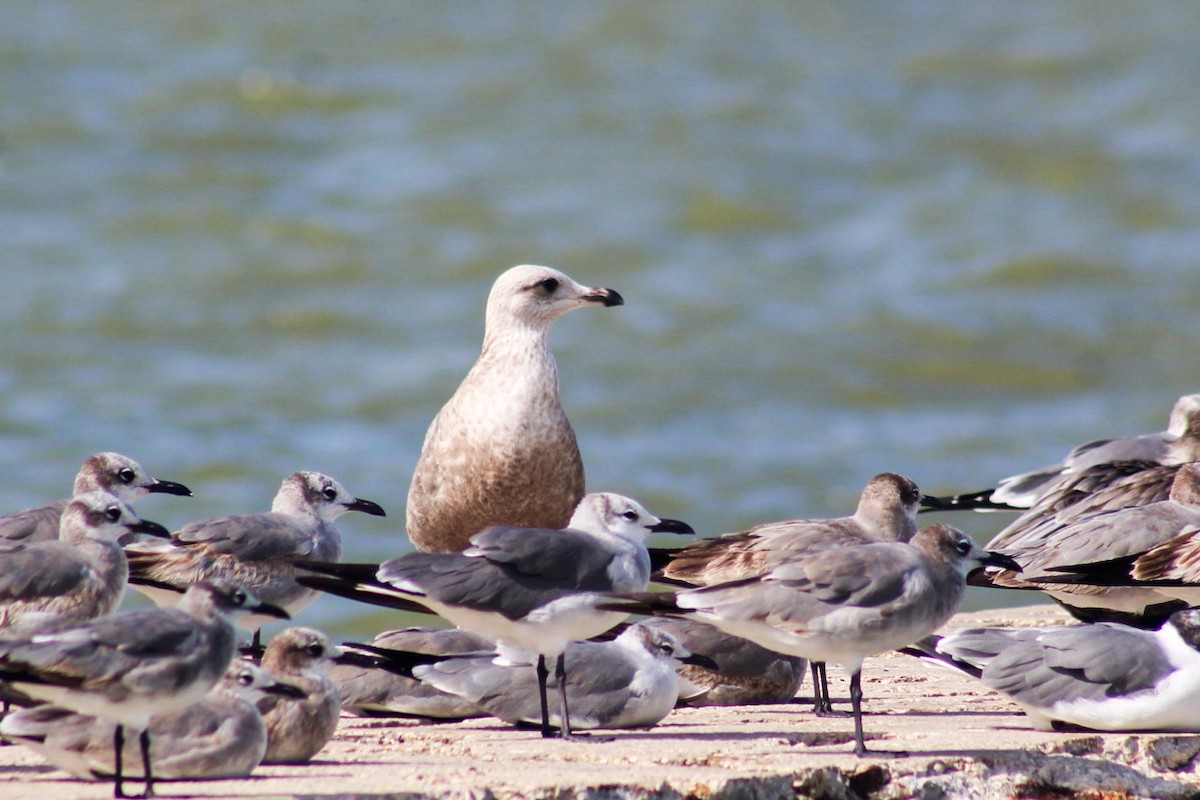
<point>1082,662</point>
<point>33,525</point>
<point>40,570</point>
<point>249,537</point>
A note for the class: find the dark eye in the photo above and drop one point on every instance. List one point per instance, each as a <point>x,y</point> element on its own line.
<point>126,475</point>
<point>549,285</point>
<point>316,649</point>
<point>245,679</point>
<point>238,597</point>
<point>329,493</point>
<point>630,515</point>
<point>962,546</point>
<point>112,513</point>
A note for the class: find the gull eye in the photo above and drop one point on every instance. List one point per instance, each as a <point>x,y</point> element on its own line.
<point>238,597</point>
<point>245,679</point>
<point>329,493</point>
<point>630,515</point>
<point>549,285</point>
<point>316,649</point>
<point>112,513</point>
<point>962,547</point>
<point>126,475</point>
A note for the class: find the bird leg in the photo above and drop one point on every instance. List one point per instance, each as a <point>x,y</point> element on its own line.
<point>118,755</point>
<point>564,714</point>
<point>822,703</point>
<point>860,747</point>
<point>542,674</point>
<point>147,773</point>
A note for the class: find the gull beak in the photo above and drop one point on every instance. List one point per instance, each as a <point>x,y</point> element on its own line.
<point>149,528</point>
<point>285,690</point>
<point>269,610</point>
<point>697,660</point>
<point>169,487</point>
<point>366,506</point>
<point>606,297</point>
<point>671,526</point>
<point>1000,561</point>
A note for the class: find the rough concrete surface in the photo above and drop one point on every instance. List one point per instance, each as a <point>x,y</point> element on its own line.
<point>963,741</point>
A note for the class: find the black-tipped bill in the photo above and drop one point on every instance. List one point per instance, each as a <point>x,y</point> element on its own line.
<point>149,528</point>
<point>1001,561</point>
<point>366,506</point>
<point>169,487</point>
<point>269,610</point>
<point>606,297</point>
<point>285,690</point>
<point>671,526</point>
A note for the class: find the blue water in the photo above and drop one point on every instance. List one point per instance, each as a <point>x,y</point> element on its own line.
<point>948,240</point>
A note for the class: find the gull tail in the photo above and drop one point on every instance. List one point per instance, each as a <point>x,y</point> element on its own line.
<point>655,604</point>
<point>356,582</point>
<point>972,501</point>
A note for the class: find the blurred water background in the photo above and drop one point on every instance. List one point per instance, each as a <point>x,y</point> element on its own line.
<point>945,239</point>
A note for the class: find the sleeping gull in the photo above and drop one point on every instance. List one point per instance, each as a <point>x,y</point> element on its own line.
<point>220,736</point>
<point>130,668</point>
<point>629,682</point>
<point>370,689</point>
<point>1103,676</point>
<point>78,577</point>
<point>530,588</point>
<point>253,550</point>
<point>299,725</point>
<point>1023,491</point>
<point>886,512</point>
<point>839,605</point>
<point>114,473</point>
<point>501,451</point>
<point>1090,546</point>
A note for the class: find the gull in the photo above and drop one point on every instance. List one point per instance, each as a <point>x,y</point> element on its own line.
<point>886,512</point>
<point>741,672</point>
<point>1090,548</point>
<point>839,605</point>
<point>299,725</point>
<point>77,577</point>
<point>114,473</point>
<point>629,682</point>
<point>369,688</point>
<point>131,668</point>
<point>1099,457</point>
<point>1103,676</point>
<point>220,736</point>
<point>529,588</point>
<point>253,550</point>
<point>501,451</point>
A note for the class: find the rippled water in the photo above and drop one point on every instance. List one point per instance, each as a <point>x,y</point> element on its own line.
<point>950,240</point>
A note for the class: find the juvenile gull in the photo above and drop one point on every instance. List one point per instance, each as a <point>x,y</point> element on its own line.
<point>1023,491</point>
<point>839,605</point>
<point>531,588</point>
<point>1082,546</point>
<point>886,512</point>
<point>220,736</point>
<point>254,550</point>
<point>369,689</point>
<point>501,451</point>
<point>130,668</point>
<point>629,682</point>
<point>114,473</point>
<point>741,672</point>
<point>77,577</point>
<point>1103,676</point>
<point>299,725</point>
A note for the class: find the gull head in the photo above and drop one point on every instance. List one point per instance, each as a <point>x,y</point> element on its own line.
<point>318,495</point>
<point>122,476</point>
<point>535,296</point>
<point>616,515</point>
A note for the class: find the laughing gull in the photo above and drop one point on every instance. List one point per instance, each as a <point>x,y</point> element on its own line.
<point>1023,491</point>
<point>1103,676</point>
<point>501,451</point>
<point>629,682</point>
<point>220,736</point>
<point>839,605</point>
<point>369,689</point>
<point>130,668</point>
<point>886,512</point>
<point>741,672</point>
<point>531,588</point>
<point>1089,547</point>
<point>114,473</point>
<point>254,550</point>
<point>78,577</point>
<point>299,726</point>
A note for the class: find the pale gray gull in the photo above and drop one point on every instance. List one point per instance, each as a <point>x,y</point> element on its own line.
<point>77,577</point>
<point>501,451</point>
<point>839,605</point>
<point>107,472</point>
<point>253,550</point>
<point>220,736</point>
<point>531,588</point>
<point>131,668</point>
<point>299,725</point>
<point>1103,676</point>
<point>1023,491</point>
